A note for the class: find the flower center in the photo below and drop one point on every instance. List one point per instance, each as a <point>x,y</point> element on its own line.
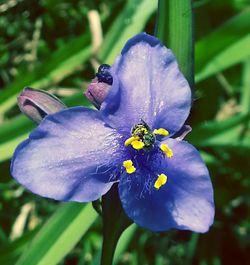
<point>145,135</point>
<point>143,138</point>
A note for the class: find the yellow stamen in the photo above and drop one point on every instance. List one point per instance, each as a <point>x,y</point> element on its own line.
<point>130,140</point>
<point>161,180</point>
<point>128,164</point>
<point>140,130</point>
<point>167,151</point>
<point>161,131</point>
<point>137,144</point>
<point>134,141</point>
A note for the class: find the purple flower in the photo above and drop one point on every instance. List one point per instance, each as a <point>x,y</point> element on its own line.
<point>77,154</point>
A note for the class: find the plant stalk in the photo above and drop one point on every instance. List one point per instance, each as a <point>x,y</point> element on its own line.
<point>174,28</point>
<point>115,222</point>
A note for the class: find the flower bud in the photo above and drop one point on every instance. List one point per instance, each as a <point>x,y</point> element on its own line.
<point>96,92</point>
<point>36,104</point>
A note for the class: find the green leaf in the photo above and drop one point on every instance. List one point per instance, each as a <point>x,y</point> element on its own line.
<point>175,29</point>
<point>208,158</point>
<point>123,242</point>
<point>220,133</point>
<point>191,248</point>
<point>213,55</point>
<point>15,127</point>
<point>59,235</point>
<point>131,21</point>
<point>7,148</point>
<point>233,54</point>
<point>245,95</point>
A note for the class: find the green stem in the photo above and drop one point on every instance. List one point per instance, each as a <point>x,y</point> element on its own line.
<point>114,223</point>
<point>175,29</point>
<point>108,247</point>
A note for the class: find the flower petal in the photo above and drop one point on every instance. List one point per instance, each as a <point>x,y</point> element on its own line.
<point>184,202</point>
<point>147,85</point>
<point>71,156</point>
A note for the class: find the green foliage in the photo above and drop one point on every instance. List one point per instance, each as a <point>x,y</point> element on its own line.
<point>48,45</point>
<point>175,27</point>
<point>232,39</point>
<point>59,235</point>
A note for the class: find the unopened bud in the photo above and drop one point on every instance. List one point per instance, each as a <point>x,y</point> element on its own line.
<point>36,104</point>
<point>96,92</point>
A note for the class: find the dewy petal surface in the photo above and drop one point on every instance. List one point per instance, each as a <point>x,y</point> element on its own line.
<point>147,85</point>
<point>184,202</point>
<point>71,156</point>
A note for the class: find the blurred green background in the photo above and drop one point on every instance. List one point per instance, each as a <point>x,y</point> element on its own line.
<point>57,45</point>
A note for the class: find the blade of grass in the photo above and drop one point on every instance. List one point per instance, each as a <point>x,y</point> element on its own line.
<point>231,32</point>
<point>7,148</point>
<point>231,55</point>
<point>175,29</point>
<point>59,235</point>
<point>216,133</point>
<point>123,242</point>
<point>245,94</point>
<point>191,248</point>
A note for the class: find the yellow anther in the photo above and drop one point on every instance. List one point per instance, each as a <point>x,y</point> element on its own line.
<point>128,164</point>
<point>161,180</point>
<point>140,130</point>
<point>167,151</point>
<point>137,144</point>
<point>161,131</point>
<point>144,130</point>
<point>130,140</point>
